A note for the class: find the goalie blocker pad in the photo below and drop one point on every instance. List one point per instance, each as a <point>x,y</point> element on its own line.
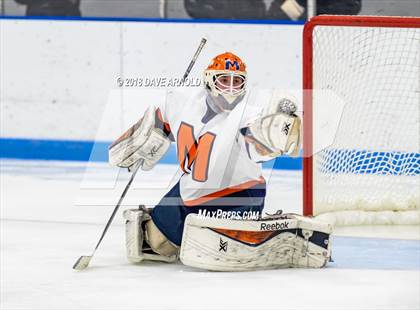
<point>239,245</point>
<point>142,141</point>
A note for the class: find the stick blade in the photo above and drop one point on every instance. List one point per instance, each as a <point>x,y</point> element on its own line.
<point>82,262</point>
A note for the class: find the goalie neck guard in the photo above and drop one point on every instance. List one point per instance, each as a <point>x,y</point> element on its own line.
<point>225,81</point>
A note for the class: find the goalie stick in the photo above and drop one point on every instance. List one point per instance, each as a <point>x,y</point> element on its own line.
<point>83,261</point>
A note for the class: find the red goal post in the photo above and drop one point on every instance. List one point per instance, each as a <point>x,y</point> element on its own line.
<point>310,85</point>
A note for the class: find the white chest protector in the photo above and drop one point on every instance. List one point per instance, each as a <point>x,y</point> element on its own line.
<point>212,153</point>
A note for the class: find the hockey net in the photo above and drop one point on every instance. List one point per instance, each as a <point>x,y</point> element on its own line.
<point>369,173</point>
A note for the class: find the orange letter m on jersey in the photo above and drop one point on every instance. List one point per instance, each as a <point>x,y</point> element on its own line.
<point>196,153</point>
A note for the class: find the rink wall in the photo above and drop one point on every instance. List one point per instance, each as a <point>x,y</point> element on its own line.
<point>59,93</point>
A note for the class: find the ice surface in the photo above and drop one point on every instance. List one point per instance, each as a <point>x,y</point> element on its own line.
<point>53,212</point>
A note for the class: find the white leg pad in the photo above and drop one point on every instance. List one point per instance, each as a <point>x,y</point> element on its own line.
<point>236,245</point>
<point>135,237</point>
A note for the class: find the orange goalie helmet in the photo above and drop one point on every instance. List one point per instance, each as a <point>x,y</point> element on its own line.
<point>225,80</point>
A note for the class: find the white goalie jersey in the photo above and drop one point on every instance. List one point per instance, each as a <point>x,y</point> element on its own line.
<point>214,156</point>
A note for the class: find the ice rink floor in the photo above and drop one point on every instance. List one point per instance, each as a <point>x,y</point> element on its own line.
<point>53,212</point>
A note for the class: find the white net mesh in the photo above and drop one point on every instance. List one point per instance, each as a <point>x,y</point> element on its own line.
<point>373,163</point>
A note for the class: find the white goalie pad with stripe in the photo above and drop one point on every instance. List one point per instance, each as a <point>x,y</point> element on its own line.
<point>237,245</point>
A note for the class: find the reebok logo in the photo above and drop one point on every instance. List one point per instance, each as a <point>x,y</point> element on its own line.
<point>274,226</point>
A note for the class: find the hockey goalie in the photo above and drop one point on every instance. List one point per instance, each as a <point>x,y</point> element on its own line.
<point>221,142</point>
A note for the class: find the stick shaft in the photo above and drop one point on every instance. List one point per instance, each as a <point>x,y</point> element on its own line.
<point>193,60</point>
<point>133,175</point>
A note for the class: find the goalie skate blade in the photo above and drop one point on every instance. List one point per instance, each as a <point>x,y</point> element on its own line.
<point>82,262</point>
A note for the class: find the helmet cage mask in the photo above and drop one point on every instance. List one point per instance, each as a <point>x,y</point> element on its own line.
<point>234,85</point>
<point>230,90</point>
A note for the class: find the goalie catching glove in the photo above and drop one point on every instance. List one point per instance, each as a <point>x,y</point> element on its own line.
<point>143,141</point>
<point>277,131</point>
